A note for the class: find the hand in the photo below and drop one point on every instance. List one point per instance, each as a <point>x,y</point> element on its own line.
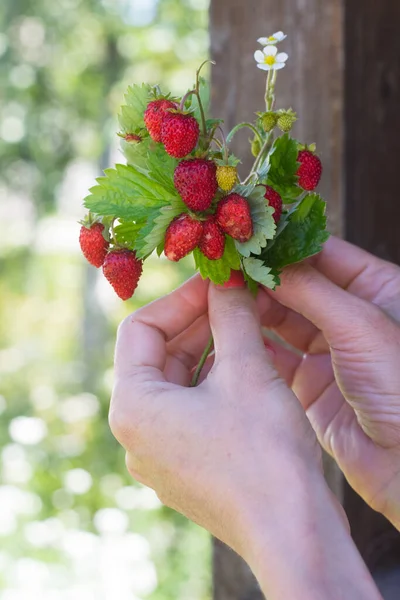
<point>236,454</point>
<point>342,311</point>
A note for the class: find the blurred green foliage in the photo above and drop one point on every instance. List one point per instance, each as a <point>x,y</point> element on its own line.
<point>72,523</point>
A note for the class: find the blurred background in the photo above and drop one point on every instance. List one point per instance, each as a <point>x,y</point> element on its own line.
<point>73,525</point>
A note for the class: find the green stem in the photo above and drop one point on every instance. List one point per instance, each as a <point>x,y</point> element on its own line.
<point>264,148</point>
<point>204,356</point>
<point>224,144</point>
<point>271,98</point>
<point>197,92</point>
<point>267,89</point>
<point>240,126</point>
<point>185,97</point>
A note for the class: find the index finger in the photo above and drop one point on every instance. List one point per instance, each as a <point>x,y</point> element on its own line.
<point>142,337</point>
<point>352,268</point>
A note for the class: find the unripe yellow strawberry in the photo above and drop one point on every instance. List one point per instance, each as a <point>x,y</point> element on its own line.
<point>226,177</point>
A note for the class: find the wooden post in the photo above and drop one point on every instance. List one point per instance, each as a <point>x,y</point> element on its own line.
<point>343,79</point>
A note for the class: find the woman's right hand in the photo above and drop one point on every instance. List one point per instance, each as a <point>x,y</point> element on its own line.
<point>342,312</point>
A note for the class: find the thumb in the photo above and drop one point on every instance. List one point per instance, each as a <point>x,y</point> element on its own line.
<point>233,318</point>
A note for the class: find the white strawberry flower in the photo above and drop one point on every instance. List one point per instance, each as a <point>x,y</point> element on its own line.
<point>279,36</point>
<point>269,58</point>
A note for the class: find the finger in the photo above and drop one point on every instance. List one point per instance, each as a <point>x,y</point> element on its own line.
<point>361,273</point>
<point>142,337</point>
<point>290,326</point>
<point>344,264</point>
<point>234,321</point>
<point>185,350</point>
<point>332,310</point>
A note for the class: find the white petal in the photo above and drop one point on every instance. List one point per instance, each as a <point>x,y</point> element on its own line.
<point>264,67</point>
<point>280,36</point>
<point>270,50</point>
<point>263,41</point>
<point>277,66</point>
<point>282,57</point>
<point>259,56</point>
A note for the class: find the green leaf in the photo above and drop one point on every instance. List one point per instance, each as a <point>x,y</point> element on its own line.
<point>263,223</point>
<point>131,113</point>
<point>219,271</point>
<point>126,233</point>
<point>151,159</point>
<point>161,167</point>
<point>204,89</point>
<point>152,235</point>
<point>126,193</point>
<point>283,168</point>
<point>302,237</point>
<point>136,154</point>
<point>256,269</point>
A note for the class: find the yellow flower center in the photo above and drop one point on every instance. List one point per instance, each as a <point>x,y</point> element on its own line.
<point>271,39</point>
<point>270,60</point>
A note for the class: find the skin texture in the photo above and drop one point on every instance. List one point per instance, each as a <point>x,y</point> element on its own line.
<point>342,310</point>
<point>226,453</point>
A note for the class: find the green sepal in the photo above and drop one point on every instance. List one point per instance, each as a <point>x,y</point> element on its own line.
<point>232,161</point>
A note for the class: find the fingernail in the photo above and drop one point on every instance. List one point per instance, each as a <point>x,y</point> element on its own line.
<point>236,280</point>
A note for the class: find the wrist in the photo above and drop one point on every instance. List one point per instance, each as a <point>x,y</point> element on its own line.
<point>298,544</point>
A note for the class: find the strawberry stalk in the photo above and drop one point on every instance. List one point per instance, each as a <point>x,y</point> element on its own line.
<point>240,126</point>
<point>202,361</point>
<point>224,144</point>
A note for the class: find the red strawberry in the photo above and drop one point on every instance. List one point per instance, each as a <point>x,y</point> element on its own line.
<point>93,245</point>
<point>154,115</point>
<point>179,134</point>
<point>275,201</point>
<point>212,243</point>
<point>234,217</point>
<point>123,271</point>
<point>196,182</point>
<point>182,236</point>
<point>310,170</point>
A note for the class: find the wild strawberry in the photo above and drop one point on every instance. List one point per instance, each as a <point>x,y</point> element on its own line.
<point>234,217</point>
<point>268,120</point>
<point>154,115</point>
<point>93,245</point>
<point>227,177</point>
<point>310,170</point>
<point>212,243</point>
<point>286,119</point>
<point>182,236</point>
<point>123,270</point>
<point>179,134</point>
<point>196,182</point>
<point>275,201</point>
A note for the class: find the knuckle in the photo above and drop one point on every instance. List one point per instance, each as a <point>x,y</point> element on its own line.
<point>120,415</point>
<point>299,274</point>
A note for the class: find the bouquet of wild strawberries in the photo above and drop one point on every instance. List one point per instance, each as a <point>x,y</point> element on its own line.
<point>180,193</point>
